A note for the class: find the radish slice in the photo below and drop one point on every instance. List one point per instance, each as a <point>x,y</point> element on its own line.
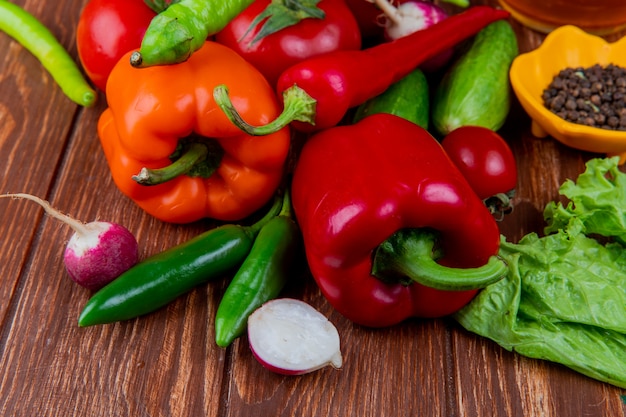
<point>290,337</point>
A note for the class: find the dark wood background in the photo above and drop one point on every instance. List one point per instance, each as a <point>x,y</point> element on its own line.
<point>166,363</point>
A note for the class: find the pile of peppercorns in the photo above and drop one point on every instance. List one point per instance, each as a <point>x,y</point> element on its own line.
<point>593,96</point>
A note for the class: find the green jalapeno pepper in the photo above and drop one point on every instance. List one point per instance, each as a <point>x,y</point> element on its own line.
<point>161,278</point>
<point>261,277</point>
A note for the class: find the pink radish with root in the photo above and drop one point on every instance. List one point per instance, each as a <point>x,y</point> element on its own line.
<point>97,253</point>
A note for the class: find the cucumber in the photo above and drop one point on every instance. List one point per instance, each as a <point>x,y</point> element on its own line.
<point>407,98</point>
<point>476,89</point>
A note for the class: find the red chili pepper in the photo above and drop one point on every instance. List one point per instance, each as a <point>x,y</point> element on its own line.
<point>318,91</point>
<point>391,227</point>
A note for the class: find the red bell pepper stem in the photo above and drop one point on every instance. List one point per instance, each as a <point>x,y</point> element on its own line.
<point>301,107</point>
<point>408,253</point>
<point>340,80</point>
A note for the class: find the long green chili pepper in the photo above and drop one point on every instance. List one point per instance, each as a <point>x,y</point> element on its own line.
<point>161,278</point>
<point>38,40</point>
<point>182,28</point>
<point>261,277</point>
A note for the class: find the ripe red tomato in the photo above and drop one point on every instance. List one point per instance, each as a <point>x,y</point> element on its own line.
<point>484,158</point>
<point>106,30</point>
<point>309,37</point>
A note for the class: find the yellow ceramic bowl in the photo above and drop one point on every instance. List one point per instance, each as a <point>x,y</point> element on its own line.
<point>532,72</point>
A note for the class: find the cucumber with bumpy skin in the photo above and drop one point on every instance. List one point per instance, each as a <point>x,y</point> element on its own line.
<point>408,98</point>
<point>476,89</point>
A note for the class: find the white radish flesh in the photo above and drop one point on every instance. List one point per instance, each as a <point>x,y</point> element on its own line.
<point>290,337</point>
<point>97,253</point>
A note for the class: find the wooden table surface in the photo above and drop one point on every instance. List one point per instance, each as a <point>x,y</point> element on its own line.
<point>167,363</point>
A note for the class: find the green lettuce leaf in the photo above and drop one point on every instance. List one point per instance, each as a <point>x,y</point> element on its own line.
<point>564,298</point>
<point>597,198</point>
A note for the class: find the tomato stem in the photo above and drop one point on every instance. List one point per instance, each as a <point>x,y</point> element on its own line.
<point>280,14</point>
<point>298,105</point>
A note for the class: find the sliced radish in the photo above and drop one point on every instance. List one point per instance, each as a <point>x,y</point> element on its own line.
<point>290,337</point>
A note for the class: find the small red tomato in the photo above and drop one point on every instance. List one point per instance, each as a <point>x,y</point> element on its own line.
<point>106,30</point>
<point>274,53</point>
<point>484,158</point>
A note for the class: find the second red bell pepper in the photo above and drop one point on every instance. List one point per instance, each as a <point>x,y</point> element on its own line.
<point>391,227</point>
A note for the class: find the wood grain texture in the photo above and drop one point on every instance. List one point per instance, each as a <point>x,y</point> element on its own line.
<point>166,363</point>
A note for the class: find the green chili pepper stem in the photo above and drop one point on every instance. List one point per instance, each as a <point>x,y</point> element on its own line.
<point>460,3</point>
<point>158,6</point>
<point>298,105</point>
<point>285,209</point>
<point>409,253</point>
<point>38,40</point>
<point>275,209</point>
<point>195,153</point>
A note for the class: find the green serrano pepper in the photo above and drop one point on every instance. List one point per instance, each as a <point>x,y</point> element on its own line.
<point>38,40</point>
<point>260,278</point>
<point>161,278</point>
<point>181,29</point>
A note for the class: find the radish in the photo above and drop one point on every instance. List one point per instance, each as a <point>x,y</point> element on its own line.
<point>290,337</point>
<point>411,16</point>
<point>97,253</point>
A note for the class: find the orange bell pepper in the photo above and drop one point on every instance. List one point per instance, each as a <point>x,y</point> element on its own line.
<point>156,112</point>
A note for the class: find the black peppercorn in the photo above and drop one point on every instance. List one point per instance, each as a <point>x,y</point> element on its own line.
<point>593,96</point>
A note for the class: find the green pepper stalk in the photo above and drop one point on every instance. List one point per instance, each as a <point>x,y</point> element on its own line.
<point>161,278</point>
<point>261,277</point>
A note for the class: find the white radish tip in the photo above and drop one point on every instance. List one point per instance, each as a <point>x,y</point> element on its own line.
<point>291,337</point>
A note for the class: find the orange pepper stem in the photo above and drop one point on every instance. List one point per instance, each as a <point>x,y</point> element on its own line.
<point>298,105</point>
<point>196,152</point>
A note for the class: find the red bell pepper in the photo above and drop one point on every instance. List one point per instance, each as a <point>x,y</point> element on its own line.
<point>391,227</point>
<point>318,91</point>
